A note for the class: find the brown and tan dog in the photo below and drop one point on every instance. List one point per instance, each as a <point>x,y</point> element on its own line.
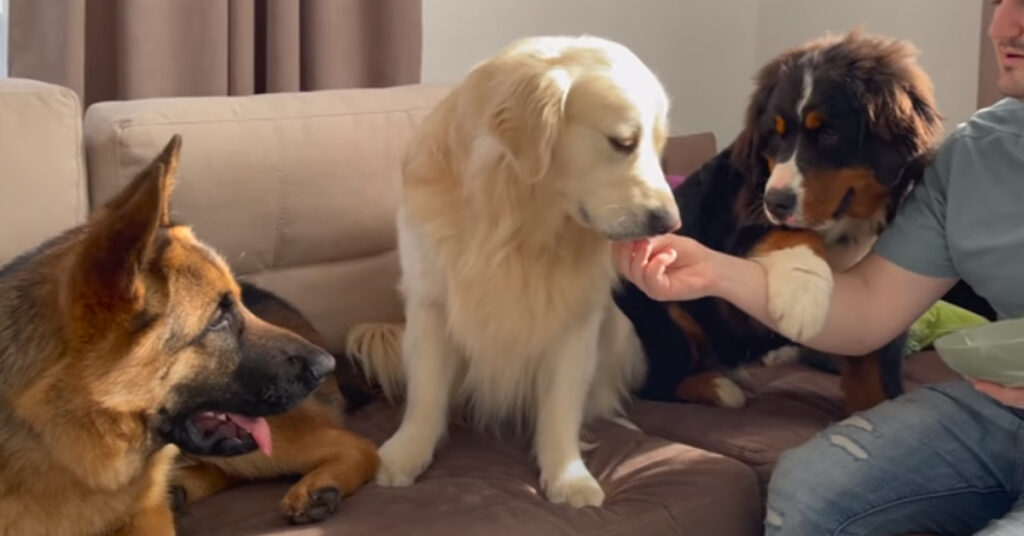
<point>308,440</point>
<point>124,341</point>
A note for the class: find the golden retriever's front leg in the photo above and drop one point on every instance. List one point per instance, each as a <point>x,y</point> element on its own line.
<point>430,360</point>
<point>565,381</point>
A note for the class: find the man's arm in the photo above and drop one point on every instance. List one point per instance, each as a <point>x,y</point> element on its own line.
<point>872,302</point>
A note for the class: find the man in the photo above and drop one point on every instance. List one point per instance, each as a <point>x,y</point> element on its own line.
<point>943,459</point>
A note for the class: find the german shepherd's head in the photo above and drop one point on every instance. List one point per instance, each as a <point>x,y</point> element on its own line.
<point>131,318</point>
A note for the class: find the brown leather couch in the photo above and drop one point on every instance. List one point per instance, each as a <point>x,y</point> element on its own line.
<point>298,192</point>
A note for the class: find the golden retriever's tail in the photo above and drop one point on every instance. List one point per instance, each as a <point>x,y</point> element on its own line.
<point>377,348</point>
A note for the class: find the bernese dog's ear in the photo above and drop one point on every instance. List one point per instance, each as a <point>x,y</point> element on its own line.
<point>746,147</point>
<point>900,101</point>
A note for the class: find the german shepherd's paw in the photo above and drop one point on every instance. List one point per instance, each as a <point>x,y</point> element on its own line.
<point>401,461</point>
<point>799,291</point>
<point>575,485</point>
<point>304,505</point>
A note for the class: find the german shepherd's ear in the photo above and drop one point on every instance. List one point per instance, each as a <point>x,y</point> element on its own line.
<point>901,104</point>
<point>119,238</point>
<point>527,115</point>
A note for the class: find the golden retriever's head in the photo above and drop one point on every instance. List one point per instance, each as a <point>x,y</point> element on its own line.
<point>585,121</point>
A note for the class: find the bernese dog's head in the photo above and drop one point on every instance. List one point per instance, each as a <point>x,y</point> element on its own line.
<point>837,130</point>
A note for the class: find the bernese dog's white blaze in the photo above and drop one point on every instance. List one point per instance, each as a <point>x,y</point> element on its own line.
<point>799,291</point>
<point>786,175</point>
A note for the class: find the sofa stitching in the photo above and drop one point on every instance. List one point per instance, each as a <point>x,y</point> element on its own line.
<point>279,207</point>
<point>80,155</point>
<point>137,122</point>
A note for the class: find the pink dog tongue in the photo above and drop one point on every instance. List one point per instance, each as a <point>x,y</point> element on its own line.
<point>257,428</point>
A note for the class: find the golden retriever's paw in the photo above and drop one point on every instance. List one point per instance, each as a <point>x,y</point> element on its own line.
<point>302,505</point>
<point>799,291</point>
<point>577,488</point>
<point>400,463</point>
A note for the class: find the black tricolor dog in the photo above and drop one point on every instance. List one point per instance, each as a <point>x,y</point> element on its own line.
<point>835,134</point>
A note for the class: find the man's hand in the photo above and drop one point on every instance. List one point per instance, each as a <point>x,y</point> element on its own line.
<point>1011,396</point>
<point>667,267</point>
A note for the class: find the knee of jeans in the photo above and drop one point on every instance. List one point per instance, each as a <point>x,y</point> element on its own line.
<point>797,502</point>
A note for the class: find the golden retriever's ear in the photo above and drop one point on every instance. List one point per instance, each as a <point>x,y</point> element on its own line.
<point>526,117</point>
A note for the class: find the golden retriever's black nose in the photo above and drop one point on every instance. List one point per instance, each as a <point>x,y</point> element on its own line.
<point>780,202</point>
<point>661,221</point>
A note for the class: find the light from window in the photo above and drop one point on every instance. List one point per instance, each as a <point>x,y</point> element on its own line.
<point>3,38</point>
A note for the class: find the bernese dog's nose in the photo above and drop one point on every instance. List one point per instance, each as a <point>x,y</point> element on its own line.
<point>780,202</point>
<point>661,221</point>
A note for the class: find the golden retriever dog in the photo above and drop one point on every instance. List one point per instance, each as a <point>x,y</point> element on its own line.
<point>514,188</point>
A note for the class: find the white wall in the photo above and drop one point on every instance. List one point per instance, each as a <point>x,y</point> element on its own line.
<point>678,40</point>
<point>707,51</point>
<point>3,37</point>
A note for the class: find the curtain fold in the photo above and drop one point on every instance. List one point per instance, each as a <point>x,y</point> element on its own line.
<point>124,49</point>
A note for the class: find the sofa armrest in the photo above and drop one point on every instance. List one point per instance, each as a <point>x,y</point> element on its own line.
<point>42,172</point>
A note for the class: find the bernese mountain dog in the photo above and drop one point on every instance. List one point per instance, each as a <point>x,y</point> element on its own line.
<point>836,133</point>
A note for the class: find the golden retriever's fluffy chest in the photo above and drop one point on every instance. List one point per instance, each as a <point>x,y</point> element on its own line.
<point>522,303</point>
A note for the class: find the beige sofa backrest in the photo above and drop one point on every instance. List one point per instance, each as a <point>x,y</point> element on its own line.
<point>42,171</point>
<point>298,190</point>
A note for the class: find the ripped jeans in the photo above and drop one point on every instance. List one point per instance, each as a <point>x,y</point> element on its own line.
<point>943,459</point>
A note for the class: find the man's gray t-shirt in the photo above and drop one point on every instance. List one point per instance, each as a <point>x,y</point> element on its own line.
<point>966,220</point>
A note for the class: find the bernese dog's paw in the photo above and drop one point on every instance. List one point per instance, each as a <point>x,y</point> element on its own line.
<point>728,395</point>
<point>781,356</point>
<point>799,291</point>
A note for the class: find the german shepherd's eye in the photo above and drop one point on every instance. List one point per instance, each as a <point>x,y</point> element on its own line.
<point>220,321</point>
<point>222,318</point>
<point>623,145</point>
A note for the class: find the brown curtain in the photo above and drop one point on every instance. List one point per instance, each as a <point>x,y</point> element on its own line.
<point>988,67</point>
<point>124,49</point>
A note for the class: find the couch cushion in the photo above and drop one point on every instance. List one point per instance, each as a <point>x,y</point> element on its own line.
<point>297,190</point>
<point>42,170</point>
<point>787,405</point>
<point>482,485</point>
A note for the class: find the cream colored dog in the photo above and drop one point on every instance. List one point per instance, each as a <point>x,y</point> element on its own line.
<point>514,187</point>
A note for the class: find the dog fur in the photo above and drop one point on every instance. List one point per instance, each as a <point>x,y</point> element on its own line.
<point>115,337</point>
<point>309,440</point>
<point>514,187</point>
<point>836,132</point>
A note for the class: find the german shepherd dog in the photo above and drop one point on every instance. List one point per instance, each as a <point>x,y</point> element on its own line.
<point>123,342</point>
